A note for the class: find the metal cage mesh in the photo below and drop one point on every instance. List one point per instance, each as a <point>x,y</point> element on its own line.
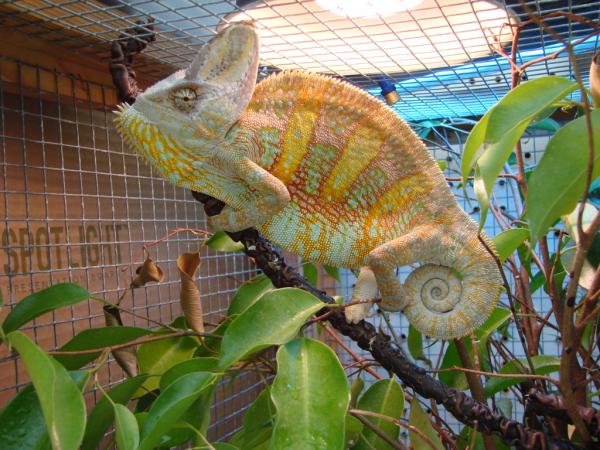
<point>76,205</point>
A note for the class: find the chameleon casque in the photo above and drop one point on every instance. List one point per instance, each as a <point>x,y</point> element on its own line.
<point>324,170</point>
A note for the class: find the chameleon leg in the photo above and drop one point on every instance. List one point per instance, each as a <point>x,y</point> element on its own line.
<point>364,290</point>
<point>421,244</point>
<point>267,196</point>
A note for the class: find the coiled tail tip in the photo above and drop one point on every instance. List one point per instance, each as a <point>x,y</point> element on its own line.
<point>444,305</point>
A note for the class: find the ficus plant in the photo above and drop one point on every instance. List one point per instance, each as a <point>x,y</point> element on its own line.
<point>310,400</point>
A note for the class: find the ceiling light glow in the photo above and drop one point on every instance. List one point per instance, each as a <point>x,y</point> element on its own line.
<point>305,34</point>
<point>368,8</point>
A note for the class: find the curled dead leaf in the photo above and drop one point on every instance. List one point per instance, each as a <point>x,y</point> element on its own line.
<point>126,357</point>
<point>146,273</point>
<point>188,263</point>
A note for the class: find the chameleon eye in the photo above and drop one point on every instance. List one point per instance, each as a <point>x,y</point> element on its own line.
<point>185,98</point>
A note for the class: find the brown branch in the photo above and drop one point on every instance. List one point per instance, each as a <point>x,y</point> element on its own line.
<point>375,429</point>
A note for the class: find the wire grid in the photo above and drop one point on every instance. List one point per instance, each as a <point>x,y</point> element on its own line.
<point>458,90</point>
<point>76,205</point>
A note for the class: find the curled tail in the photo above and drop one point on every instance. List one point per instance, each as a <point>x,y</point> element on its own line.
<point>454,294</point>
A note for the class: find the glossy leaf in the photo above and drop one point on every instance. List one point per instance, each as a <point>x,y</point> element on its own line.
<point>311,395</point>
<point>185,367</point>
<point>384,397</point>
<point>311,273</point>
<point>542,364</point>
<point>546,124</point>
<point>60,399</point>
<point>498,318</point>
<point>415,343</point>
<point>170,405</point>
<point>273,320</point>
<point>353,429</point>
<point>508,241</point>
<point>248,293</point>
<point>211,345</point>
<point>356,389</point>
<point>221,242</point>
<point>224,446</point>
<point>524,103</point>
<point>258,422</point>
<point>473,147</point>
<point>41,302</point>
<point>22,424</point>
<point>127,433</point>
<point>514,111</point>
<point>466,438</point>
<point>333,272</point>
<point>558,181</point>
<point>156,357</point>
<point>454,379</point>
<point>97,338</point>
<point>421,421</point>
<point>490,164</point>
<point>103,413</point>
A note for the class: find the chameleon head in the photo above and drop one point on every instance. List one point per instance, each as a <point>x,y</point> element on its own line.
<point>181,120</point>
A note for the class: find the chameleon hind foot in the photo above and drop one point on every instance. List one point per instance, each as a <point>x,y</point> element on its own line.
<point>364,290</point>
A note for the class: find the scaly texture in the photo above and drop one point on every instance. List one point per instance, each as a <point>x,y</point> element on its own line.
<point>322,169</point>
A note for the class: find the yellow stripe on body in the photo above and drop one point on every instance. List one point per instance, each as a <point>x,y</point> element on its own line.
<point>296,141</point>
<point>363,145</point>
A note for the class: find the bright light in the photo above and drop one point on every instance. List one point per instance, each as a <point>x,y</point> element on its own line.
<point>368,8</point>
<point>303,34</point>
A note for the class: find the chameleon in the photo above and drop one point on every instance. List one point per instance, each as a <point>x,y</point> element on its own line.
<point>324,170</point>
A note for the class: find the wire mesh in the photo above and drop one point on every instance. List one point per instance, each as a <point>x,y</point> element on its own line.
<point>469,81</point>
<point>76,205</point>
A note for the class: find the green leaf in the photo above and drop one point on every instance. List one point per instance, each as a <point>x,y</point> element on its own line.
<point>466,438</point>
<point>490,164</point>
<point>258,422</point>
<point>384,397</point>
<point>185,367</point>
<point>356,389</point>
<point>60,399</point>
<point>504,123</point>
<point>97,338</point>
<point>442,164</point>
<point>273,320</point>
<point>127,431</point>
<point>224,446</point>
<point>311,273</point>
<point>333,272</point>
<point>558,181</point>
<point>170,405</point>
<point>248,293</point>
<point>524,103</point>
<point>221,242</point>
<point>415,342</point>
<point>454,379</point>
<point>22,424</point>
<point>508,241</point>
<point>311,394</point>
<point>542,364</point>
<point>473,147</point>
<point>546,124</point>
<point>211,345</point>
<point>353,429</point>
<point>498,317</point>
<point>41,302</point>
<point>102,415</point>
<point>420,420</point>
<point>156,357</point>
